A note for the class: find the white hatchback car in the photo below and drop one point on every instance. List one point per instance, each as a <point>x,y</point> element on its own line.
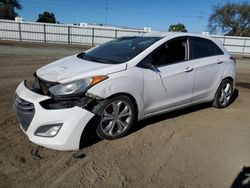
<point>120,82</point>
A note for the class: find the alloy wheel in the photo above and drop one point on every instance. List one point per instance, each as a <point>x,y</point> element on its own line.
<point>226,93</point>
<point>115,118</point>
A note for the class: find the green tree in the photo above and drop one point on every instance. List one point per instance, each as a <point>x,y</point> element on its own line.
<point>8,9</point>
<point>46,17</point>
<point>231,19</point>
<point>177,28</point>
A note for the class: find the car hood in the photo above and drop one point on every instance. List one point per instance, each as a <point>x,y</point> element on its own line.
<point>72,68</point>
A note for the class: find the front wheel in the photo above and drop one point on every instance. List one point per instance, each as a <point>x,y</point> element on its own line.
<point>117,116</point>
<point>224,94</point>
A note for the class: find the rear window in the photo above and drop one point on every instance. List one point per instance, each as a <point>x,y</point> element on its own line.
<point>201,47</point>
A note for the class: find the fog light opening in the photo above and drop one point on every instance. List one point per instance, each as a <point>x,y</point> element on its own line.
<point>48,130</point>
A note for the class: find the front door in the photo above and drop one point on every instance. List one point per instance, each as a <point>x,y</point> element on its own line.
<point>169,83</point>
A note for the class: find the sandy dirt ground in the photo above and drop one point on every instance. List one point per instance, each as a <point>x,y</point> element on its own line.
<point>196,147</point>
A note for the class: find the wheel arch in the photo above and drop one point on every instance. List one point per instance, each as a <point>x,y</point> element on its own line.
<point>231,79</point>
<point>225,78</point>
<point>228,78</point>
<point>131,97</point>
<point>88,136</point>
<point>215,100</point>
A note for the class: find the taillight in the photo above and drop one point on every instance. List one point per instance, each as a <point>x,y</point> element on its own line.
<point>232,58</point>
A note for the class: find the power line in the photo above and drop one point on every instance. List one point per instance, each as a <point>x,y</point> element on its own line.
<point>157,13</point>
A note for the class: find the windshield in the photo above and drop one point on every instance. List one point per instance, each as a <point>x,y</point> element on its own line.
<point>119,50</point>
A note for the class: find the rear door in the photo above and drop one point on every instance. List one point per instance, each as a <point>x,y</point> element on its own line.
<point>207,59</point>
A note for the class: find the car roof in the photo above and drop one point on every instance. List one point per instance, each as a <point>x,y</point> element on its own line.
<point>175,34</point>
<point>165,36</point>
<point>169,34</point>
<point>179,34</point>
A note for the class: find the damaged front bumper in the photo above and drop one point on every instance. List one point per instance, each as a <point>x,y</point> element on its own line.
<point>33,116</point>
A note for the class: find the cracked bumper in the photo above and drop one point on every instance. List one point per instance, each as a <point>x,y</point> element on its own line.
<point>73,120</point>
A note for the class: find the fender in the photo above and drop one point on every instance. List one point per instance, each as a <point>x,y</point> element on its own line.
<point>230,72</point>
<point>129,82</point>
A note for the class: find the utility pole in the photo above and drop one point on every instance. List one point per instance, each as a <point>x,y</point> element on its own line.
<point>200,20</point>
<point>106,12</point>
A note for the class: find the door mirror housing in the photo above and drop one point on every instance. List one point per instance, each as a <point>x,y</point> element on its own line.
<point>147,66</point>
<point>146,63</point>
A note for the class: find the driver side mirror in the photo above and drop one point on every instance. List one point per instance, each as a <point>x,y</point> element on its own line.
<point>146,63</point>
<point>147,66</point>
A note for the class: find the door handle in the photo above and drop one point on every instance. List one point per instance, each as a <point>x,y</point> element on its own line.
<point>189,69</point>
<point>219,62</point>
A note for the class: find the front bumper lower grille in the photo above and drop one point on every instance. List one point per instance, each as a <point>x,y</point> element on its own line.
<point>25,112</point>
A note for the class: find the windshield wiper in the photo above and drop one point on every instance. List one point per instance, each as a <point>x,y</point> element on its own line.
<point>81,55</point>
<point>84,56</point>
<point>99,60</point>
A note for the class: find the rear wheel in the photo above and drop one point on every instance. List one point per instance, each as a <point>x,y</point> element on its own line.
<point>117,116</point>
<point>224,94</point>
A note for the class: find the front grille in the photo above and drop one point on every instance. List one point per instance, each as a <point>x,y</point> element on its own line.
<point>25,112</point>
<point>42,86</point>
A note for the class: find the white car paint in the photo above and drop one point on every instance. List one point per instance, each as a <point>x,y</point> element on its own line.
<point>73,68</point>
<point>167,93</point>
<point>154,91</point>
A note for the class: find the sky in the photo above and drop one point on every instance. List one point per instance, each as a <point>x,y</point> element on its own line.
<point>158,15</point>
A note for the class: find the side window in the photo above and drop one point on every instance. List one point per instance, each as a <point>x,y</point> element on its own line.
<point>172,51</point>
<point>201,47</point>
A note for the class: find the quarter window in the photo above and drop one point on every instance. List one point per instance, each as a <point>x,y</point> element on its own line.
<point>201,47</point>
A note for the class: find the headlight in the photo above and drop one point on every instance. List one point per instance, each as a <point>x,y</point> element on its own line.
<point>75,87</point>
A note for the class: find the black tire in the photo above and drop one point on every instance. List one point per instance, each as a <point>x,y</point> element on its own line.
<point>106,106</point>
<point>223,100</point>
